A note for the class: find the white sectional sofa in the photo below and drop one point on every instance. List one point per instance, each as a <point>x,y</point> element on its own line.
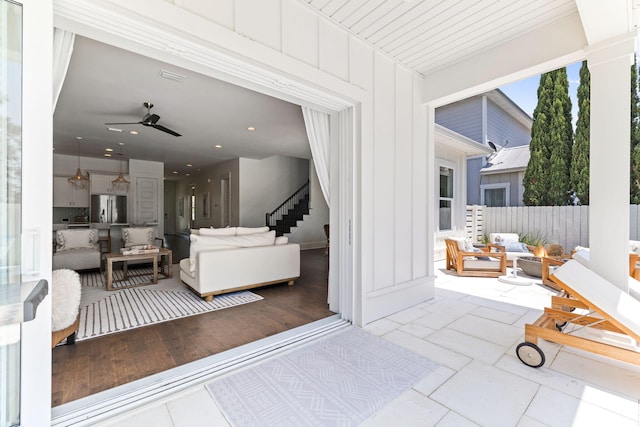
<point>234,258</point>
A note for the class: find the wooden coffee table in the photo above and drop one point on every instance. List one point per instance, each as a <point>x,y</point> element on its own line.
<point>110,258</point>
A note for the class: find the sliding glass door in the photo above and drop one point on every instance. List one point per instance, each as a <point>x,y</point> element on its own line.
<point>10,204</point>
<point>26,43</point>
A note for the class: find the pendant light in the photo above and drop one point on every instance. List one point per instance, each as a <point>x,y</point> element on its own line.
<point>120,183</point>
<point>79,180</point>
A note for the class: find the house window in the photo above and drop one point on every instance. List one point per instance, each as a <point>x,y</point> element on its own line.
<point>495,195</point>
<point>445,204</point>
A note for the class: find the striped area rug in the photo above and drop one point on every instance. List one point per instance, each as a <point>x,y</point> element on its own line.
<point>105,312</point>
<point>141,274</point>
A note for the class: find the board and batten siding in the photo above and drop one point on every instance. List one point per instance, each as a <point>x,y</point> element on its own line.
<point>463,117</point>
<point>502,126</point>
<point>390,231</point>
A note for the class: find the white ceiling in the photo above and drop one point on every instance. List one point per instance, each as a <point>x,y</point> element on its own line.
<point>427,35</point>
<point>105,84</point>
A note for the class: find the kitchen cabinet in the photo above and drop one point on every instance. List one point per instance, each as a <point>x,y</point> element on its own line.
<point>102,184</point>
<point>66,195</point>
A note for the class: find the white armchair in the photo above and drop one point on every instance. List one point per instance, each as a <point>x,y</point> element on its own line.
<point>76,249</point>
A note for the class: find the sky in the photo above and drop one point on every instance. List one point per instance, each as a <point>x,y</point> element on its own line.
<point>525,92</point>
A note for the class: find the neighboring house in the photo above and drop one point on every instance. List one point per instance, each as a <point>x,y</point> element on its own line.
<point>489,117</point>
<point>451,152</point>
<point>501,177</point>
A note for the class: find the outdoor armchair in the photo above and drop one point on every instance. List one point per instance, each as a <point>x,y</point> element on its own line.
<point>471,263</point>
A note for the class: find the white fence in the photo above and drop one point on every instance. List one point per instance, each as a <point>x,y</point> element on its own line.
<point>564,225</point>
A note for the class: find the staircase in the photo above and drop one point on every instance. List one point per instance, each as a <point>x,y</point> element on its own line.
<point>286,216</point>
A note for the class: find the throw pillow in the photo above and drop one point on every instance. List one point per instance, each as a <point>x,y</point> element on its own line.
<point>136,236</point>
<point>515,247</point>
<point>483,258</point>
<point>76,239</point>
<point>241,231</point>
<point>226,231</point>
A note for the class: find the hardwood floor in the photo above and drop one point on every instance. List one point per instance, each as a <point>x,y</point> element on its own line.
<point>98,364</point>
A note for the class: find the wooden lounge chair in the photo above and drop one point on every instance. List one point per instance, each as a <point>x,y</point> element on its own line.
<point>478,264</point>
<point>588,302</point>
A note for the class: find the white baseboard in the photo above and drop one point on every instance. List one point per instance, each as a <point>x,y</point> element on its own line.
<point>312,245</point>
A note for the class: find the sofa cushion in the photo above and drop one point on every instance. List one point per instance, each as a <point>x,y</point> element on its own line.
<point>76,239</point>
<point>200,243</point>
<point>76,259</point>
<point>241,231</point>
<point>135,236</point>
<point>226,231</point>
<point>281,240</point>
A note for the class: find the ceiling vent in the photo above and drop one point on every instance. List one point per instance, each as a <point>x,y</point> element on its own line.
<point>171,75</point>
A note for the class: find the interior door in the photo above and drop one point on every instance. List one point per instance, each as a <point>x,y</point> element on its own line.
<point>147,199</point>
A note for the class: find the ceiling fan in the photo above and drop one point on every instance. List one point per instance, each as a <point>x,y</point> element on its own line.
<point>149,120</point>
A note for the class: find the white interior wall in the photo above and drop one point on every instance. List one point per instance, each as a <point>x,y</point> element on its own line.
<point>64,165</point>
<point>266,183</point>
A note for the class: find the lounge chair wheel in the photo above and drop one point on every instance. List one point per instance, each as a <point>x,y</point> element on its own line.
<point>530,354</point>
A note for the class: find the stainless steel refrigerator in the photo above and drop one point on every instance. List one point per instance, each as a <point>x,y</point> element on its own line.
<point>107,208</point>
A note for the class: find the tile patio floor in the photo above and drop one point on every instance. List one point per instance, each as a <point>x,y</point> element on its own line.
<point>471,328</point>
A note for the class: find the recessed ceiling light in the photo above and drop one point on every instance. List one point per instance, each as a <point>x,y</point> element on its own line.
<point>251,128</point>
<point>187,174</point>
<point>107,155</point>
<point>218,146</point>
<point>121,143</point>
<point>108,149</point>
<point>133,132</point>
<point>175,171</point>
<point>189,165</point>
<point>78,138</point>
<point>114,129</point>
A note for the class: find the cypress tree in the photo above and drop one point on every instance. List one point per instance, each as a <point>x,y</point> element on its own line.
<point>536,177</point>
<point>580,154</point>
<point>560,141</point>
<point>635,137</point>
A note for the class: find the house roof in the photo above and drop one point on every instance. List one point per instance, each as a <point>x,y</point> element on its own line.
<point>451,139</point>
<point>510,107</point>
<point>508,160</point>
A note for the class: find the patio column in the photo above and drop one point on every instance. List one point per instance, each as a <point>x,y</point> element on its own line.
<point>610,66</point>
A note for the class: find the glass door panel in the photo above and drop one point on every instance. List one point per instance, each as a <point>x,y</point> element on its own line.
<point>10,201</point>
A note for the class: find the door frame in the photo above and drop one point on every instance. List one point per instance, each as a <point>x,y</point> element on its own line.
<point>37,203</point>
<point>116,26</point>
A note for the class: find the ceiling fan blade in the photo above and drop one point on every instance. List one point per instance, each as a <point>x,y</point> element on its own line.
<point>167,130</point>
<point>151,120</point>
